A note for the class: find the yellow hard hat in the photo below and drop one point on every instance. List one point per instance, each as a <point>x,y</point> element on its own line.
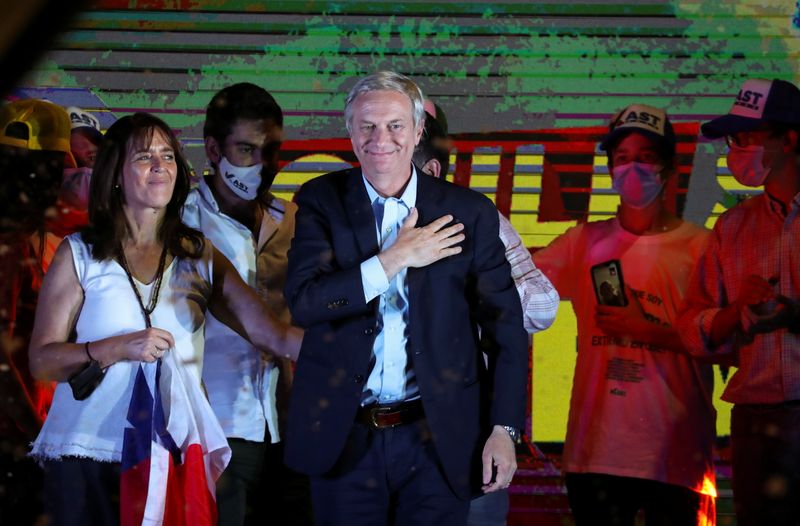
<point>48,126</point>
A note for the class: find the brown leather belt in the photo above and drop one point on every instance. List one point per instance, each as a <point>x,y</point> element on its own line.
<point>379,416</point>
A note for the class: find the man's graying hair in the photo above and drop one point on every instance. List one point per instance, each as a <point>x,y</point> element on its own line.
<point>387,80</point>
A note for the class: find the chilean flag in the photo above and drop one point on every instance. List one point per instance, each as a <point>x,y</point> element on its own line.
<point>174,451</point>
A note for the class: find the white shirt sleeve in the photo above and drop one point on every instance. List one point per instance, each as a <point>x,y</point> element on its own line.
<point>373,278</point>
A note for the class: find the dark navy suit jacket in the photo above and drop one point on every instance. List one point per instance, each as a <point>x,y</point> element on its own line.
<point>448,301</point>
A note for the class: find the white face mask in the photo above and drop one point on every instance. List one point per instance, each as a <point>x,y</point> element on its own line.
<point>638,184</point>
<point>746,164</point>
<point>75,187</point>
<point>243,180</point>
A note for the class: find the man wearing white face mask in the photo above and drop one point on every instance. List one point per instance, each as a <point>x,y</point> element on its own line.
<point>743,300</point>
<point>253,228</point>
<point>641,424</point>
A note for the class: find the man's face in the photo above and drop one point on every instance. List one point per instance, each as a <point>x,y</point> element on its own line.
<point>635,147</point>
<point>253,141</point>
<point>383,135</point>
<point>83,148</point>
<point>775,152</point>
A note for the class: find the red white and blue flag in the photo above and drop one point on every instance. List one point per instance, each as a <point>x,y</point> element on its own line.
<point>174,451</point>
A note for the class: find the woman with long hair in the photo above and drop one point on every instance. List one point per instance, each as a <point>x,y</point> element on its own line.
<point>130,290</point>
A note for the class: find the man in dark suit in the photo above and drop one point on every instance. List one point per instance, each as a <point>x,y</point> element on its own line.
<point>401,282</point>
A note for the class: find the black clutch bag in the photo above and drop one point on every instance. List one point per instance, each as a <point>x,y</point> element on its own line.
<point>85,381</point>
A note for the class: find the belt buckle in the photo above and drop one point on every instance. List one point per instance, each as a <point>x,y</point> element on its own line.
<point>375,412</point>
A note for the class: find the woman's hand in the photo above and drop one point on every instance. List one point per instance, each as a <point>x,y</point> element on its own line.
<point>146,345</point>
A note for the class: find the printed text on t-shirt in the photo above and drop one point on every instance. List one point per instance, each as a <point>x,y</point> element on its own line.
<point>624,370</point>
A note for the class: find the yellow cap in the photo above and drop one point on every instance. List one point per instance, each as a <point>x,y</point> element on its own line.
<point>47,124</point>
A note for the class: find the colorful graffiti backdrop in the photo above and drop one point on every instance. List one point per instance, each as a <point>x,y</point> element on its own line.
<point>527,88</point>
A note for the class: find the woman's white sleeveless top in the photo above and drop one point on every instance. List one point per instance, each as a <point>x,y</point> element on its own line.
<point>94,428</point>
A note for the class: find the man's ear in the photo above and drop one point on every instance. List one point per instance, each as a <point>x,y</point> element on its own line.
<point>418,133</point>
<point>433,168</point>
<point>213,150</point>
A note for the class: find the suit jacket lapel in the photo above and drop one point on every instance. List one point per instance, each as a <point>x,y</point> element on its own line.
<point>429,193</point>
<point>360,214</point>
<point>428,197</point>
<point>268,229</point>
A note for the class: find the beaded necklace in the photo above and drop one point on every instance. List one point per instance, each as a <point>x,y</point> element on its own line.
<point>153,301</point>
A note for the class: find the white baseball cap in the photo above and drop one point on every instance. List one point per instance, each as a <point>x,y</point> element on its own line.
<point>80,119</point>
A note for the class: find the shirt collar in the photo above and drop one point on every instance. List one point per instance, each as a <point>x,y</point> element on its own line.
<point>796,201</point>
<point>275,208</point>
<point>207,194</point>
<point>779,209</point>
<point>409,196</point>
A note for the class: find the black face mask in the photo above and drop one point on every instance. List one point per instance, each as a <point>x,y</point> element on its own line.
<point>29,185</point>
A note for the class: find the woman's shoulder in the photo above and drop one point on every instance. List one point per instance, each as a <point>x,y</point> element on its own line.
<point>75,237</point>
<point>81,249</point>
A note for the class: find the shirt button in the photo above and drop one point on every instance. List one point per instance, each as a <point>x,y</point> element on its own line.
<point>358,378</point>
<point>368,331</point>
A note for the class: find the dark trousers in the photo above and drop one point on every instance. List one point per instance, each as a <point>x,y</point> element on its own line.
<point>257,488</point>
<point>608,500</point>
<point>765,446</point>
<point>387,477</point>
<point>284,495</point>
<point>236,488</point>
<point>81,492</point>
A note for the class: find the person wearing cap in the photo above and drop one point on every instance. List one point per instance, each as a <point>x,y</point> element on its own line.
<point>538,296</point>
<point>641,423</point>
<point>742,302</point>
<point>34,146</point>
<point>34,142</point>
<point>85,136</point>
<point>73,199</point>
